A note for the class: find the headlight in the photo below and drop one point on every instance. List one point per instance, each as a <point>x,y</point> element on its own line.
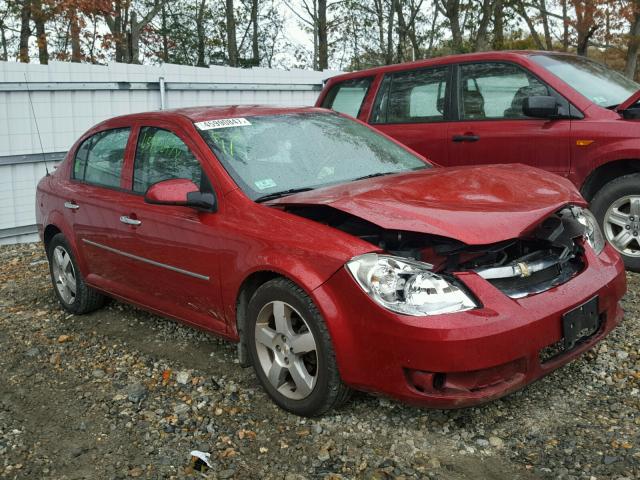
<point>407,286</point>
<point>592,234</point>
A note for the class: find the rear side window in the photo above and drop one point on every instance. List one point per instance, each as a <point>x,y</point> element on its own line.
<point>496,90</point>
<point>416,96</point>
<point>347,97</point>
<point>100,157</point>
<point>161,155</point>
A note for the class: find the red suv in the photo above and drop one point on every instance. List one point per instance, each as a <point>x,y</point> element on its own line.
<point>563,113</point>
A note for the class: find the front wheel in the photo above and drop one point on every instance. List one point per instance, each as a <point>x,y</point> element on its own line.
<point>617,208</point>
<point>291,350</point>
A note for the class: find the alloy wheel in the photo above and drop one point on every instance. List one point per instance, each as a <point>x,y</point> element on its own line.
<point>286,350</point>
<point>622,225</point>
<point>64,274</point>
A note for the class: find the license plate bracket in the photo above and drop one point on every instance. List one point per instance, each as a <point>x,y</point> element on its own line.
<point>580,323</point>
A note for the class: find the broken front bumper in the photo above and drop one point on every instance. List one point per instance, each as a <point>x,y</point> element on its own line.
<point>467,358</point>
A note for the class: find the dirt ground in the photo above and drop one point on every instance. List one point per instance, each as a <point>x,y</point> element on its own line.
<point>121,393</point>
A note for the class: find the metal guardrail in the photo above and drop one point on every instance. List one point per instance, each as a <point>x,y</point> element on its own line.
<point>51,157</point>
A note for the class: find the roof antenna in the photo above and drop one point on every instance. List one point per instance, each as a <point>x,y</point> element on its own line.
<point>35,120</point>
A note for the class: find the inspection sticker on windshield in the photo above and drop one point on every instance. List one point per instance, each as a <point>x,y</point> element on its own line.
<point>264,184</point>
<point>222,123</point>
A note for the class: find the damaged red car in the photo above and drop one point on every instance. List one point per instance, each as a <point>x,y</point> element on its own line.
<point>335,257</point>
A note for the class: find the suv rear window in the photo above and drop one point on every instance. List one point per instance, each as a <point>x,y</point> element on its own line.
<point>347,97</point>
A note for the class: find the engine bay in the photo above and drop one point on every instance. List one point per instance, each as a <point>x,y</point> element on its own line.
<point>547,256</point>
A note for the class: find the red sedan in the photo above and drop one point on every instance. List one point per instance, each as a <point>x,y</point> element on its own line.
<point>334,256</point>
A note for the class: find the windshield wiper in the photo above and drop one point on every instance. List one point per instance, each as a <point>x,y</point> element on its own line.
<point>372,175</point>
<point>284,193</point>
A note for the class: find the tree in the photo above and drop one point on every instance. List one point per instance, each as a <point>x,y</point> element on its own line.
<point>232,47</point>
<point>633,43</point>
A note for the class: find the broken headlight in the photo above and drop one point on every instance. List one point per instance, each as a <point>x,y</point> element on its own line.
<point>407,286</point>
<point>592,233</point>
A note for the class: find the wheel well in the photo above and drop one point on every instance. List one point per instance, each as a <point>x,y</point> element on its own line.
<point>605,173</point>
<point>247,289</point>
<point>49,232</point>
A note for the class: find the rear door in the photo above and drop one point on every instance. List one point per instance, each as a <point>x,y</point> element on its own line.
<point>491,126</point>
<point>94,193</point>
<point>413,107</point>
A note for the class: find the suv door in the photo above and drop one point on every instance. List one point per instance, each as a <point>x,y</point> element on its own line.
<point>491,126</point>
<point>175,249</point>
<point>413,107</point>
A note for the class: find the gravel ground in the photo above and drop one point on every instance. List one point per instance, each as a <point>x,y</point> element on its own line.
<point>121,393</point>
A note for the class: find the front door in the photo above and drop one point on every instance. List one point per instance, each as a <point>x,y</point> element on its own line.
<point>491,126</point>
<point>175,249</point>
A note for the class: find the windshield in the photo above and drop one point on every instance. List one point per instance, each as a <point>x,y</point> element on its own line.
<point>268,155</point>
<point>595,81</point>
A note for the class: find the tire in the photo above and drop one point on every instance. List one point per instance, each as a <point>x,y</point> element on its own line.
<point>63,269</point>
<point>280,349</point>
<point>617,208</point>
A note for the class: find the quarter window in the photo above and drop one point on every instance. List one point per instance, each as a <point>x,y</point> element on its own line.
<point>347,97</point>
<point>161,155</point>
<point>417,96</point>
<point>496,91</point>
<point>100,157</point>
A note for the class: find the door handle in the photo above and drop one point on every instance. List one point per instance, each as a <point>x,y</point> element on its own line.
<point>130,221</point>
<point>465,138</point>
<point>71,205</point>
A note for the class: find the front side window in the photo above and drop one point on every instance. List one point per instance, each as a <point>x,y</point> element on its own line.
<point>100,157</point>
<point>161,155</point>
<point>276,153</point>
<point>593,80</point>
<point>416,96</point>
<point>495,91</point>
<point>347,97</point>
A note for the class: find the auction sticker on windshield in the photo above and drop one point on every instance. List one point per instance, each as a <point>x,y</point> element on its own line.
<point>222,123</point>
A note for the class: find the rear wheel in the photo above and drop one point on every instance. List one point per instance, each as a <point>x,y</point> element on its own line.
<point>69,285</point>
<point>291,350</point>
<point>617,208</point>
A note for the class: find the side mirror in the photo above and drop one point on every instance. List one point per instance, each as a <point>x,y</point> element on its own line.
<point>540,106</point>
<point>180,192</point>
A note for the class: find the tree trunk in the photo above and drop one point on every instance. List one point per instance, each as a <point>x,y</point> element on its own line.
<point>380,22</point>
<point>565,26</point>
<point>633,46</point>
<point>25,31</point>
<point>498,22</point>
<point>165,37</point>
<point>452,12</point>
<point>532,29</point>
<point>255,50</point>
<point>3,38</point>
<point>548,41</point>
<point>482,41</point>
<point>402,32</point>
<point>134,39</point>
<point>323,47</point>
<point>389,51</point>
<point>232,47</point>
<point>200,33</point>
<point>76,54</point>
<point>41,33</point>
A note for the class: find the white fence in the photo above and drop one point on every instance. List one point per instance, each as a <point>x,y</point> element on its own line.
<point>69,98</point>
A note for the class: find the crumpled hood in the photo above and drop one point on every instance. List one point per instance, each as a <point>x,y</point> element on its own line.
<point>475,205</point>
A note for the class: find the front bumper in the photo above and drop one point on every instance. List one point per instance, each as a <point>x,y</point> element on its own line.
<point>467,358</point>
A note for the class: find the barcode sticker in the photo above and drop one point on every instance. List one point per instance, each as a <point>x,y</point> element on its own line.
<point>222,123</point>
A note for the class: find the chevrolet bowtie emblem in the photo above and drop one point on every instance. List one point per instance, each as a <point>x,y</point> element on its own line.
<point>524,269</point>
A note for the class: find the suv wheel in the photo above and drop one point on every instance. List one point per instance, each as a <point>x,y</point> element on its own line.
<point>69,285</point>
<point>617,207</point>
<point>291,350</point>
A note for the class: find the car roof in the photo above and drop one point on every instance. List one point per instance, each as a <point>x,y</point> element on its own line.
<point>199,114</point>
<point>446,60</point>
